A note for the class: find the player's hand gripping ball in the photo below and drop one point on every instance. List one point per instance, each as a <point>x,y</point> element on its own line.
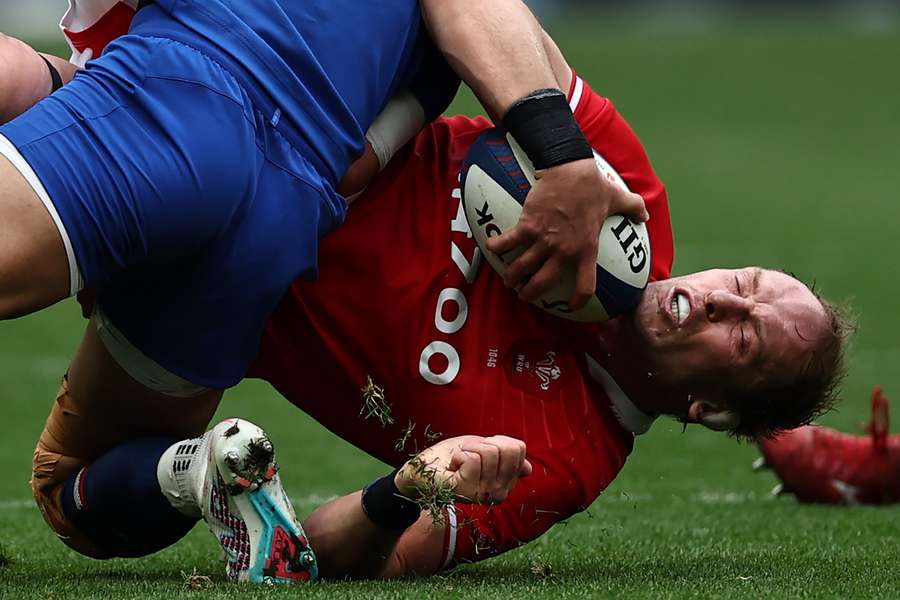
<point>496,178</point>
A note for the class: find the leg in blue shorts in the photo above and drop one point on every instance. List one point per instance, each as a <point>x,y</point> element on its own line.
<point>171,193</point>
<point>189,172</point>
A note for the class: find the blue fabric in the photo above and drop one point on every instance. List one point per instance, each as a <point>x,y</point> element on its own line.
<point>122,510</point>
<point>188,210</point>
<point>328,66</point>
<point>193,164</point>
<point>434,84</point>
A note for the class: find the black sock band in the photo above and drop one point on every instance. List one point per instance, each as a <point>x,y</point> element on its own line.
<point>543,125</point>
<point>387,507</point>
<point>55,78</point>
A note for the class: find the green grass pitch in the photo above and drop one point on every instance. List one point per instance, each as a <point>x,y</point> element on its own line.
<point>779,146</point>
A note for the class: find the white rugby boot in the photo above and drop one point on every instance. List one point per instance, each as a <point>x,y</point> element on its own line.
<point>230,474</point>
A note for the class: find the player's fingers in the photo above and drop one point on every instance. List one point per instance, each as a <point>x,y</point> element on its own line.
<point>511,457</point>
<point>585,279</point>
<point>490,461</point>
<point>456,460</point>
<point>520,235</point>
<point>629,204</point>
<point>449,451</point>
<point>494,439</point>
<point>467,479</point>
<point>544,279</point>
<point>527,469</point>
<point>519,272</point>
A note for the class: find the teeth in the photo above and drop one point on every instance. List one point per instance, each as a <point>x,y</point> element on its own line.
<point>681,308</point>
<point>684,308</point>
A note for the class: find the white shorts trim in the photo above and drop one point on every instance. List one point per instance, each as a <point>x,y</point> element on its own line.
<point>76,283</point>
<point>138,365</point>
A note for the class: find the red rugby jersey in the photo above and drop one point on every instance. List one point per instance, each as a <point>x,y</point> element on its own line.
<point>405,297</point>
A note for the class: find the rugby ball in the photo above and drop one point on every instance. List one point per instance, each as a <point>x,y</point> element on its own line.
<point>495,180</point>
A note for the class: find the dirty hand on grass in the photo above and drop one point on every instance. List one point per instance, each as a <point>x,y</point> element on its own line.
<point>477,469</point>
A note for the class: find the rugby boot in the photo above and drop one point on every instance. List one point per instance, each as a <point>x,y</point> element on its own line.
<point>244,504</point>
<point>821,465</point>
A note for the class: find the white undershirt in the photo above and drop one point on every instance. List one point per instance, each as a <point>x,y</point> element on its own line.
<point>81,16</point>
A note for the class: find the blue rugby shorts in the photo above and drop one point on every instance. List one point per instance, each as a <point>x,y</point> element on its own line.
<point>177,199</point>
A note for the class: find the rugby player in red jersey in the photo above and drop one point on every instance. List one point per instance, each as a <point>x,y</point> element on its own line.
<point>458,354</point>
<point>56,205</point>
<point>294,61</point>
<point>417,314</point>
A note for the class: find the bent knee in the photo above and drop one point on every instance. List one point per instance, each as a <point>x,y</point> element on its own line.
<point>50,470</point>
<point>53,463</point>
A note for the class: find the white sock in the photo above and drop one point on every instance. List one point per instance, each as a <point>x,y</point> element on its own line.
<point>180,473</point>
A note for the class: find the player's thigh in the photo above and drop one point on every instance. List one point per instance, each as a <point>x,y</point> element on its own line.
<point>203,321</point>
<point>146,156</point>
<point>99,407</point>
<point>116,408</point>
<point>34,269</point>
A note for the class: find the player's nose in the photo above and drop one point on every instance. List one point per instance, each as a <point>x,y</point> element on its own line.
<point>721,305</point>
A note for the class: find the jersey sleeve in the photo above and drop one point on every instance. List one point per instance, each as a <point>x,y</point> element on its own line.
<point>89,25</point>
<point>560,486</point>
<point>611,136</point>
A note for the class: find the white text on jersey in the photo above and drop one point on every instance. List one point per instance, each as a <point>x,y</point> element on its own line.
<point>469,271</point>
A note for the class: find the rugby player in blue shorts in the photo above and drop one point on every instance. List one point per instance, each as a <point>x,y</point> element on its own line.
<point>196,135</point>
<point>188,173</point>
<point>113,498</point>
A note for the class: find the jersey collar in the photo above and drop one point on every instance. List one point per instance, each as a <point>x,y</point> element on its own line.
<point>628,414</point>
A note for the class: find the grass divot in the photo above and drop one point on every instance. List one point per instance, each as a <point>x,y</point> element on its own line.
<point>375,404</point>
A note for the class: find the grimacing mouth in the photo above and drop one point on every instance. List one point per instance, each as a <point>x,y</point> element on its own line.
<point>678,306</point>
<point>673,307</point>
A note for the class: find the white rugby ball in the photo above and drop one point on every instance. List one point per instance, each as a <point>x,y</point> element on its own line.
<point>497,176</point>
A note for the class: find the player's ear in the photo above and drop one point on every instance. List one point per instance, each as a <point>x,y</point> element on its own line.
<point>712,414</point>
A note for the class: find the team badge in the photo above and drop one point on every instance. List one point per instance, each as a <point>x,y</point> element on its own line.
<point>546,370</point>
<point>535,367</point>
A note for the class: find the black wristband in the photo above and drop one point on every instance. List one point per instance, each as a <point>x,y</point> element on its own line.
<point>387,507</point>
<point>543,125</point>
<point>55,78</point>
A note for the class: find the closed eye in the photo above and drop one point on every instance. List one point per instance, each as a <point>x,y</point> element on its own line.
<point>737,285</point>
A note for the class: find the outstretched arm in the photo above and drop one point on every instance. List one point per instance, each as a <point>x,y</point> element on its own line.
<point>25,77</point>
<point>498,48</point>
<point>408,111</point>
<point>357,542</point>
